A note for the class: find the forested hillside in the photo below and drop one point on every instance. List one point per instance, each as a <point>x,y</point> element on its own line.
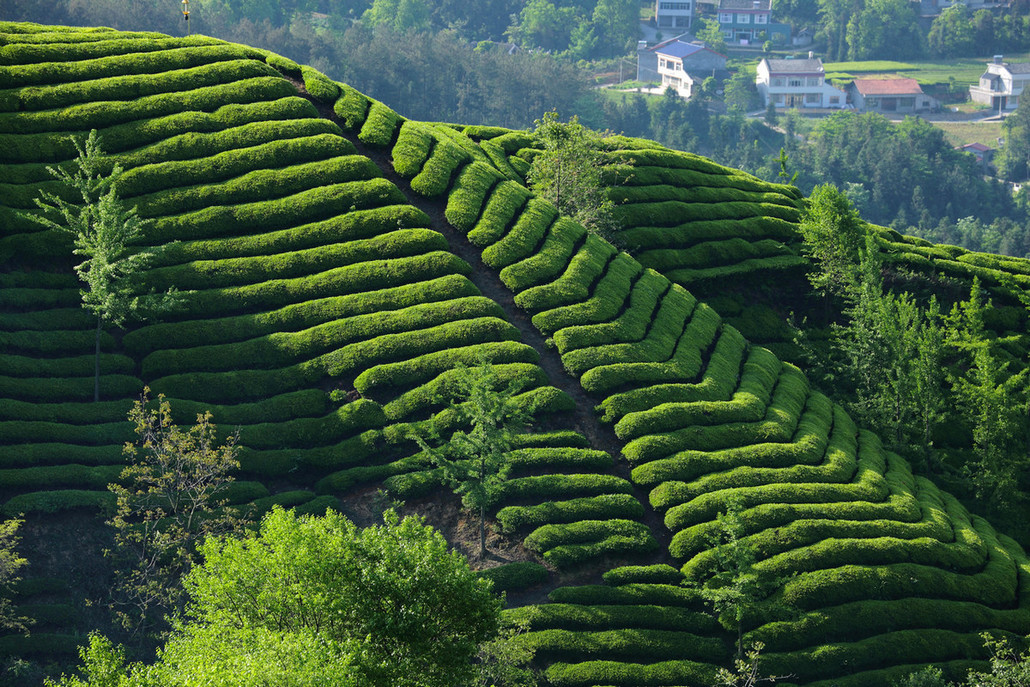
<point>335,263</point>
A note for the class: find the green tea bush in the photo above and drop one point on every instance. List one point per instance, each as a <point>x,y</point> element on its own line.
<point>632,325</point>
<point>164,60</point>
<point>548,487</point>
<point>297,316</point>
<point>550,261</point>
<point>414,143</point>
<point>319,86</point>
<point>130,87</point>
<point>83,46</point>
<point>53,343</point>
<point>515,577</point>
<point>52,389</point>
<point>157,176</point>
<point>717,382</point>
<point>54,453</point>
<point>420,369</point>
<point>659,573</point>
<point>742,270</point>
<point>54,476</point>
<point>549,536</point>
<point>603,304</point>
<point>99,115</point>
<point>600,672</point>
<point>352,106</point>
<point>525,460</point>
<point>673,595</point>
<point>284,348</point>
<point>711,254</point>
<point>513,141</point>
<point>380,126</point>
<point>100,434</point>
<point>346,421</point>
<point>629,193</point>
<point>366,276</point>
<point>575,283</point>
<point>433,393</point>
<point>500,160</point>
<point>66,413</point>
<point>77,366</point>
<point>605,506</point>
<point>632,544</point>
<point>502,207</point>
<point>435,178</point>
<point>637,644</point>
<point>577,617</point>
<point>471,189</point>
<point>529,230</point>
<point>58,500</point>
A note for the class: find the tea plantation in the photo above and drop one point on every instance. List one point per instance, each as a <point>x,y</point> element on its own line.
<point>337,261</point>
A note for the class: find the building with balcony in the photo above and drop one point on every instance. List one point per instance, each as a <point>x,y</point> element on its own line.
<point>797,83</point>
<point>1001,86</point>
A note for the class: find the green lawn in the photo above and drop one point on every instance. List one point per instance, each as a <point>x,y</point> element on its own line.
<point>960,133</point>
<point>965,70</point>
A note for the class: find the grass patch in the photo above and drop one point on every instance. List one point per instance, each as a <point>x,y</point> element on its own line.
<point>965,70</point>
<point>961,133</point>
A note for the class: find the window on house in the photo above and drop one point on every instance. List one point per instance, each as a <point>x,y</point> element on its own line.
<point>743,18</point>
<point>778,98</point>
<point>835,100</point>
<point>725,18</point>
<point>777,82</point>
<point>795,83</point>
<point>814,81</point>
<point>812,98</point>
<point>664,20</point>
<point>761,18</point>
<point>661,63</point>
<point>682,21</point>
<point>906,102</point>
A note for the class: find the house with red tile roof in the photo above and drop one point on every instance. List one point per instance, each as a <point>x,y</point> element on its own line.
<point>890,96</point>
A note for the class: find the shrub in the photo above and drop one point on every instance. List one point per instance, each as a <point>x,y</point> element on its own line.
<point>660,573</point>
<point>519,243</point>
<point>503,206</point>
<point>318,85</point>
<point>578,617</point>
<point>352,107</point>
<point>641,674</point>
<point>47,390</point>
<point>638,644</point>
<point>550,261</point>
<point>603,304</point>
<point>435,178</point>
<point>471,189</point>
<point>412,149</point>
<point>380,125</point>
<point>605,506</point>
<point>346,421</point>
<point>569,555</point>
<point>574,285</point>
<point>56,501</point>
<point>514,577</point>
<point>546,487</point>
<point>629,594</point>
<point>432,393</point>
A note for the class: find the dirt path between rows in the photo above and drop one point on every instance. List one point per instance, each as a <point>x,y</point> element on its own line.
<point>583,419</point>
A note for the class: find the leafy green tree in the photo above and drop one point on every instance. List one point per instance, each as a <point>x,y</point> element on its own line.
<point>102,229</point>
<point>738,590</point>
<point>617,21</point>
<point>11,565</point>
<point>318,602</point>
<point>476,462</point>
<point>400,15</point>
<point>573,173</point>
<point>884,29</point>
<point>952,33</point>
<point>542,24</point>
<point>1013,161</point>
<point>833,235</point>
<point>169,497</point>
<point>996,403</point>
<point>710,32</point>
<point>740,93</point>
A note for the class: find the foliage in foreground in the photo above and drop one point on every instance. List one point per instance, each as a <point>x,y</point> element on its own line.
<point>319,601</point>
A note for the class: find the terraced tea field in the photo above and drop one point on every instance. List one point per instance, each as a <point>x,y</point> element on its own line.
<point>322,242</point>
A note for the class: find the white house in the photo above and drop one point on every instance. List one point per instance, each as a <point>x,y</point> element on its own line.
<point>674,14</point>
<point>1002,84</point>
<point>670,66</point>
<point>889,96</point>
<point>797,83</point>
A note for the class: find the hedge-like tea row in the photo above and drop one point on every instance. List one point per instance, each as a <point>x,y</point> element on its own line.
<point>56,389</point>
<point>66,49</point>
<point>712,254</point>
<point>302,315</point>
<point>470,191</point>
<point>130,87</point>
<point>605,506</point>
<point>380,125</point>
<point>502,208</point>
<point>435,178</point>
<point>550,261</point>
<point>573,285</point>
<point>590,673</point>
<point>635,644</point>
<point>78,366</point>
<point>560,616</point>
<point>58,500</point>
<point>526,234</point>
<point>629,193</point>
<point>432,394</point>
<point>603,304</point>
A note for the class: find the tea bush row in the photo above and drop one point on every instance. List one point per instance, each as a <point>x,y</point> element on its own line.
<point>603,304</point>
<point>573,286</point>
<point>503,206</point>
<point>636,644</point>
<point>600,672</point>
<point>379,126</point>
<point>550,261</point>
<point>605,506</point>
<point>467,197</point>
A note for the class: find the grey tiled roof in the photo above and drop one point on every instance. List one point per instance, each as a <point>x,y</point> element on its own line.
<point>796,66</point>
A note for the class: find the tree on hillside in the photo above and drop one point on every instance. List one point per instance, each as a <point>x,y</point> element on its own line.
<point>11,565</point>
<point>476,462</point>
<point>102,229</point>
<point>1014,159</point>
<point>399,15</point>
<point>833,235</point>
<point>317,601</point>
<point>617,21</point>
<point>570,172</point>
<point>952,33</point>
<point>711,33</point>
<point>169,497</point>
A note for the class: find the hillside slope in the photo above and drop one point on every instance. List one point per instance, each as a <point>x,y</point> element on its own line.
<point>322,242</point>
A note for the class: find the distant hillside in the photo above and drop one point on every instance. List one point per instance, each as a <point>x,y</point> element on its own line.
<point>323,242</point>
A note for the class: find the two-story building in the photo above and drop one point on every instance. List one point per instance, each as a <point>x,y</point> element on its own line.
<point>889,96</point>
<point>667,61</point>
<point>797,83</point>
<point>674,15</point>
<point>750,21</point>
<point>1001,85</point>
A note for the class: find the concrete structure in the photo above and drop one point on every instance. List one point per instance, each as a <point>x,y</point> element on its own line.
<point>797,83</point>
<point>750,21</point>
<point>674,15</point>
<point>694,58</point>
<point>890,96</point>
<point>982,153</point>
<point>1001,85</point>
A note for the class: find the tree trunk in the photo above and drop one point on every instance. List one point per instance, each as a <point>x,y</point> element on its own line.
<point>482,531</point>
<point>96,364</point>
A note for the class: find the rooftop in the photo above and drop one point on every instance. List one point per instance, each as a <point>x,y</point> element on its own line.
<point>762,5</point>
<point>679,49</point>
<point>888,86</point>
<point>810,66</point>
